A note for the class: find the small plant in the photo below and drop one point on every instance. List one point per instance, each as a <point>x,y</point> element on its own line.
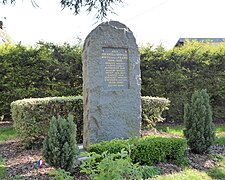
<point>149,171</point>
<point>60,174</point>
<point>110,166</point>
<point>199,130</point>
<point>183,162</point>
<point>59,147</point>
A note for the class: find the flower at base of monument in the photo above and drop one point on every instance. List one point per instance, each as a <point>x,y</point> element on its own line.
<point>40,162</point>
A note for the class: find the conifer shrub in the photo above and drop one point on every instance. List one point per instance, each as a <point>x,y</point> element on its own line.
<point>199,127</point>
<point>59,147</point>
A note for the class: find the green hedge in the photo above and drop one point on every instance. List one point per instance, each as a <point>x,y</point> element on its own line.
<point>32,116</point>
<point>41,71</point>
<point>175,74</point>
<point>152,109</point>
<point>146,151</point>
<point>52,70</point>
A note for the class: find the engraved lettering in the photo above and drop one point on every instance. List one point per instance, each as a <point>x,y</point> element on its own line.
<point>115,68</point>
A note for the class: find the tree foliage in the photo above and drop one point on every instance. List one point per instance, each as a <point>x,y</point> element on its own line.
<point>101,6</point>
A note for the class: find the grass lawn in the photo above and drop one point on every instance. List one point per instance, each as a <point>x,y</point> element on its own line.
<point>218,172</point>
<point>7,134</point>
<point>178,130</point>
<point>188,174</point>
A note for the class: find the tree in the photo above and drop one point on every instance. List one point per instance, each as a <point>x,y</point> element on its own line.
<point>102,6</point>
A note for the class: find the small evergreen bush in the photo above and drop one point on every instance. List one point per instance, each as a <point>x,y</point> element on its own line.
<point>59,147</point>
<point>199,128</point>
<point>60,174</point>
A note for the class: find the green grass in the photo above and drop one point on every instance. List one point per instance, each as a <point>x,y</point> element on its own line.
<point>7,133</point>
<point>220,140</point>
<point>220,128</point>
<point>188,174</point>
<point>218,172</point>
<point>3,171</point>
<point>176,130</point>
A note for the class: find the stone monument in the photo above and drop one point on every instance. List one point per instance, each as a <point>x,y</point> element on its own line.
<point>111,84</point>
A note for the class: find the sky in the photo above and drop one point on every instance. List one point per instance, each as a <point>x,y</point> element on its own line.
<point>151,21</point>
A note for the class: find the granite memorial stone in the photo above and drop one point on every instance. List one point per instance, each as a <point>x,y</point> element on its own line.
<point>111,84</point>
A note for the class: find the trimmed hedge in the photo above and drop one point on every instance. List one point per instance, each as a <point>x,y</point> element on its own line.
<point>53,70</point>
<point>46,70</point>
<point>32,116</point>
<point>175,74</point>
<point>152,108</point>
<point>146,151</point>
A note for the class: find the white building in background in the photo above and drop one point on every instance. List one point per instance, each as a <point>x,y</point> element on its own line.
<point>4,37</point>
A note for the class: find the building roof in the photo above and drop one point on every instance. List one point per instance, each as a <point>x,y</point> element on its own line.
<point>181,41</point>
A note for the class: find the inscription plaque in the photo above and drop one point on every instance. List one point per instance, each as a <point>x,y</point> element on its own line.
<point>115,68</point>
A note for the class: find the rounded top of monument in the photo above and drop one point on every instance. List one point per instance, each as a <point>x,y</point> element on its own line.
<point>115,24</point>
<point>111,33</point>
